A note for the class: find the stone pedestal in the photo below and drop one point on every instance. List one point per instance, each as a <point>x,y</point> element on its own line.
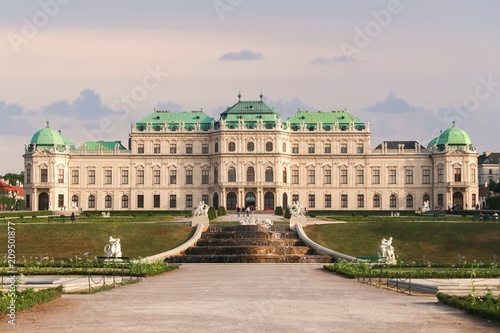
<point>297,220</point>
<point>195,220</point>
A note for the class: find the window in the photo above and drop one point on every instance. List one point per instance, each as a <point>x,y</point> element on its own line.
<point>426,176</point>
<point>140,201</point>
<point>328,176</point>
<point>376,176</point>
<point>360,176</point>
<point>60,201</point>
<point>343,148</point>
<point>204,176</point>
<point>458,174</point>
<point>392,176</point>
<point>285,178</point>
<point>91,201</point>
<point>441,200</point>
<point>312,200</point>
<point>295,176</point>
<point>91,179</point>
<point>60,176</point>
<point>231,146</point>
<point>409,201</point>
<point>189,176</point>
<point>108,177</point>
<point>173,201</point>
<point>125,201</point>
<point>173,176</point>
<point>189,148</point>
<point>216,147</point>
<point>216,175</point>
<point>360,148</point>
<point>231,174</point>
<point>140,176</point>
<point>140,148</point>
<point>44,175</point>
<point>343,201</point>
<point>124,176</point>
<point>156,148</point>
<point>392,201</point>
<point>108,202</point>
<point>311,176</point>
<point>427,198</point>
<point>295,148</point>
<point>311,148</point>
<point>376,201</point>
<point>269,146</point>
<point>269,174</point>
<point>28,201</point>
<point>440,175</point>
<point>328,148</point>
<point>409,176</point>
<point>204,148</point>
<point>250,174</point>
<point>75,177</point>
<point>28,176</point>
<point>328,200</point>
<point>295,197</point>
<point>250,146</point>
<point>156,201</point>
<point>189,200</point>
<point>343,176</point>
<point>204,198</point>
<point>473,199</point>
<point>283,147</point>
<point>361,200</point>
<point>473,174</point>
<point>173,148</point>
<point>156,177</point>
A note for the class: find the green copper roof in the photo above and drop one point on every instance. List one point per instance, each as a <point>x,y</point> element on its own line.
<point>158,119</point>
<point>47,137</point>
<point>250,108</point>
<point>328,119</point>
<point>104,145</point>
<point>453,136</point>
<point>432,143</point>
<point>67,141</point>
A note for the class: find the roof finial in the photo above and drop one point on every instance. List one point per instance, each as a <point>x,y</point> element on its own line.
<point>261,93</point>
<point>239,93</point>
<point>48,123</point>
<point>453,123</point>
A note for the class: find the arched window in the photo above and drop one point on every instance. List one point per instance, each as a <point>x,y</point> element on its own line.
<point>376,201</point>
<point>125,201</point>
<point>231,201</point>
<point>427,199</point>
<point>361,200</point>
<point>285,178</point>
<point>409,201</point>
<point>108,202</point>
<point>250,174</point>
<point>269,174</point>
<point>250,146</point>
<point>284,147</point>
<point>74,202</point>
<point>216,200</point>
<point>231,146</point>
<point>216,175</point>
<point>91,201</point>
<point>392,201</point>
<point>231,174</point>
<point>269,201</point>
<point>216,147</point>
<point>269,146</point>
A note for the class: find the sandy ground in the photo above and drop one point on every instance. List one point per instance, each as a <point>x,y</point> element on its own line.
<point>246,298</point>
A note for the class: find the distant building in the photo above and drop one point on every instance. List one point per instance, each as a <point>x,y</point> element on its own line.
<point>250,156</point>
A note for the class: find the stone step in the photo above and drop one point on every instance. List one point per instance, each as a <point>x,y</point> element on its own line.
<point>261,259</point>
<point>250,250</point>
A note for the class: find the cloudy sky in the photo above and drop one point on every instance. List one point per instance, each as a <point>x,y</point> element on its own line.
<point>92,67</point>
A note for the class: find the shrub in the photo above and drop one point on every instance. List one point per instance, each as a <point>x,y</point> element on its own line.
<point>287,213</point>
<point>278,211</point>
<point>221,211</point>
<point>211,214</point>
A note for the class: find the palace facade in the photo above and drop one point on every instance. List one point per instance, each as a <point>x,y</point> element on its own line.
<point>250,156</point>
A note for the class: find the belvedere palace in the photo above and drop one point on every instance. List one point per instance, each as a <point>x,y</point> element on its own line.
<point>250,156</point>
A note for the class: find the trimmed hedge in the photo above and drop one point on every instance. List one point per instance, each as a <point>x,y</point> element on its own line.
<point>485,306</point>
<point>287,213</point>
<point>211,213</point>
<point>221,211</point>
<point>278,211</point>
<point>28,298</point>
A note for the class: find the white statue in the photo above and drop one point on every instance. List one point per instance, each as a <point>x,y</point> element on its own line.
<point>253,221</point>
<point>201,210</point>
<point>113,248</point>
<point>296,209</point>
<point>387,250</point>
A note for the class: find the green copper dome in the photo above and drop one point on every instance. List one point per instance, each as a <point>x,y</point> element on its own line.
<point>67,142</point>
<point>47,138</point>
<point>454,137</point>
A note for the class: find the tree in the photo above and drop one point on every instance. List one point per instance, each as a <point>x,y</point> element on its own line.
<point>14,178</point>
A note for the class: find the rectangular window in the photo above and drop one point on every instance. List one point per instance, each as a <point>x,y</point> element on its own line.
<point>60,176</point>
<point>75,177</point>
<point>295,176</point>
<point>140,177</point>
<point>361,201</point>
<point>295,197</point>
<point>311,176</point>
<point>312,200</point>
<point>204,176</point>
<point>140,201</point>
<point>328,200</point>
<point>409,176</point>
<point>91,177</point>
<point>156,177</point>
<point>473,200</point>
<point>458,174</point>
<point>360,176</point>
<point>156,148</point>
<point>295,148</point>
<point>44,175</point>
<point>156,201</point>
<point>473,174</point>
<point>441,200</point>
<point>91,201</point>
<point>426,176</point>
<point>343,148</point>
<point>392,176</point>
<point>376,201</point>
<point>108,177</point>
<point>189,148</point>
<point>440,175</point>
<point>328,148</point>
<point>189,176</point>
<point>140,148</point>
<point>173,201</point>
<point>360,148</point>
<point>28,201</point>
<point>311,148</point>
<point>189,200</point>
<point>60,201</point>
<point>328,176</point>
<point>343,201</point>
<point>28,176</point>
<point>173,148</point>
<point>204,148</point>
<point>204,198</point>
<point>343,176</point>
<point>124,177</point>
<point>173,176</point>
<point>376,176</point>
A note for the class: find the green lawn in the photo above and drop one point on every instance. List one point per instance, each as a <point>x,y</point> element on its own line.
<point>437,242</point>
